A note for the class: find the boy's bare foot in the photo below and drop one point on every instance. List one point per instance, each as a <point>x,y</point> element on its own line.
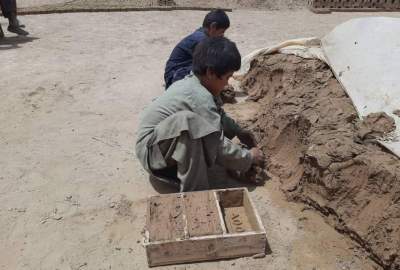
<point>17,30</point>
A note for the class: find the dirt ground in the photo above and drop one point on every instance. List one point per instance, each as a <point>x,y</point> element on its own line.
<point>72,193</point>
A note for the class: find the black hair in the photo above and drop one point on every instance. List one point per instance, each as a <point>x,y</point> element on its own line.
<point>218,54</point>
<point>217,16</point>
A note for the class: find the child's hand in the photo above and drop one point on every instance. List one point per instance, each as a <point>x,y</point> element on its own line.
<point>247,137</point>
<point>258,156</point>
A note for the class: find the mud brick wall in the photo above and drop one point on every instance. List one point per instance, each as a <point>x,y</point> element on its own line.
<point>355,4</point>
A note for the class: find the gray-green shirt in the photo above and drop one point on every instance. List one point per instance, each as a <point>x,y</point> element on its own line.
<point>189,97</point>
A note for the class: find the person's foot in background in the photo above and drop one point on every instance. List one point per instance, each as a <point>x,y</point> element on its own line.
<point>15,27</point>
<point>1,33</point>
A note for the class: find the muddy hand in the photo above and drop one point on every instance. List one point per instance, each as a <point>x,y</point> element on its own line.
<point>247,137</point>
<point>258,156</point>
<point>257,175</point>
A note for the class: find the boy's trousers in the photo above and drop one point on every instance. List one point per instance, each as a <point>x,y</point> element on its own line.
<point>192,157</point>
<point>8,7</point>
<point>186,156</point>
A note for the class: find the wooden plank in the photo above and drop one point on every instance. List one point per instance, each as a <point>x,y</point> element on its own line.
<point>201,211</point>
<point>252,215</point>
<point>165,218</point>
<point>220,214</point>
<point>206,248</point>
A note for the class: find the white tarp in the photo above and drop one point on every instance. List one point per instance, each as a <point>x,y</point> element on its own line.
<point>302,47</point>
<point>364,55</point>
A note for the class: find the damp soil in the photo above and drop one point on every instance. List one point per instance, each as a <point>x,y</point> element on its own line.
<point>324,155</point>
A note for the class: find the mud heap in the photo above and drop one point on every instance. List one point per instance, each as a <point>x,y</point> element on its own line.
<point>265,4</point>
<point>324,155</point>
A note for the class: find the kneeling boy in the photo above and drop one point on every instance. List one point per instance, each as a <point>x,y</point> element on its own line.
<point>179,64</point>
<point>181,133</point>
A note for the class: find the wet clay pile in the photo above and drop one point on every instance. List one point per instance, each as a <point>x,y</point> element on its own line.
<point>323,153</point>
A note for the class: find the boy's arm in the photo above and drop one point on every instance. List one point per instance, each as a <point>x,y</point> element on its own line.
<point>233,156</point>
<point>229,155</point>
<point>232,129</point>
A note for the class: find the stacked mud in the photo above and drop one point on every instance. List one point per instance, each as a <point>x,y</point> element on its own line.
<point>126,5</point>
<point>324,154</point>
<point>98,6</point>
<point>121,3</point>
<point>250,4</point>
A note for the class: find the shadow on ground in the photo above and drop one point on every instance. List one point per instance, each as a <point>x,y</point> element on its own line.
<point>8,43</point>
<point>219,179</point>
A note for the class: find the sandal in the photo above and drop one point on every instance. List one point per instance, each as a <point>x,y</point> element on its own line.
<point>17,30</point>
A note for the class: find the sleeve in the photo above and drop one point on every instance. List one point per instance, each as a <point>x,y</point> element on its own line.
<point>230,127</point>
<point>233,156</point>
<point>229,154</point>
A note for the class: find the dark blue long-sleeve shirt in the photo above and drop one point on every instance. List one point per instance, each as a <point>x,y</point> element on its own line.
<point>180,61</point>
<point>8,7</point>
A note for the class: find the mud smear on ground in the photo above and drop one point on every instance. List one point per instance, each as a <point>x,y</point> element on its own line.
<point>322,151</point>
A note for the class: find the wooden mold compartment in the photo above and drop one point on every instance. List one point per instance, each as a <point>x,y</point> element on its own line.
<point>202,226</point>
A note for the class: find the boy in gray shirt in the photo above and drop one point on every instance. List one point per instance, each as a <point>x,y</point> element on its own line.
<point>182,133</point>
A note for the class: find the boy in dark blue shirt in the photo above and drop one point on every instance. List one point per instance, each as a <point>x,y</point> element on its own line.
<point>179,63</point>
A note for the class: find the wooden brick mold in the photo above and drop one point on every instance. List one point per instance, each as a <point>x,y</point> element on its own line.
<point>202,226</point>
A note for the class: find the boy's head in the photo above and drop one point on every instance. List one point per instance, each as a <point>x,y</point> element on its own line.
<point>214,62</point>
<point>216,22</point>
